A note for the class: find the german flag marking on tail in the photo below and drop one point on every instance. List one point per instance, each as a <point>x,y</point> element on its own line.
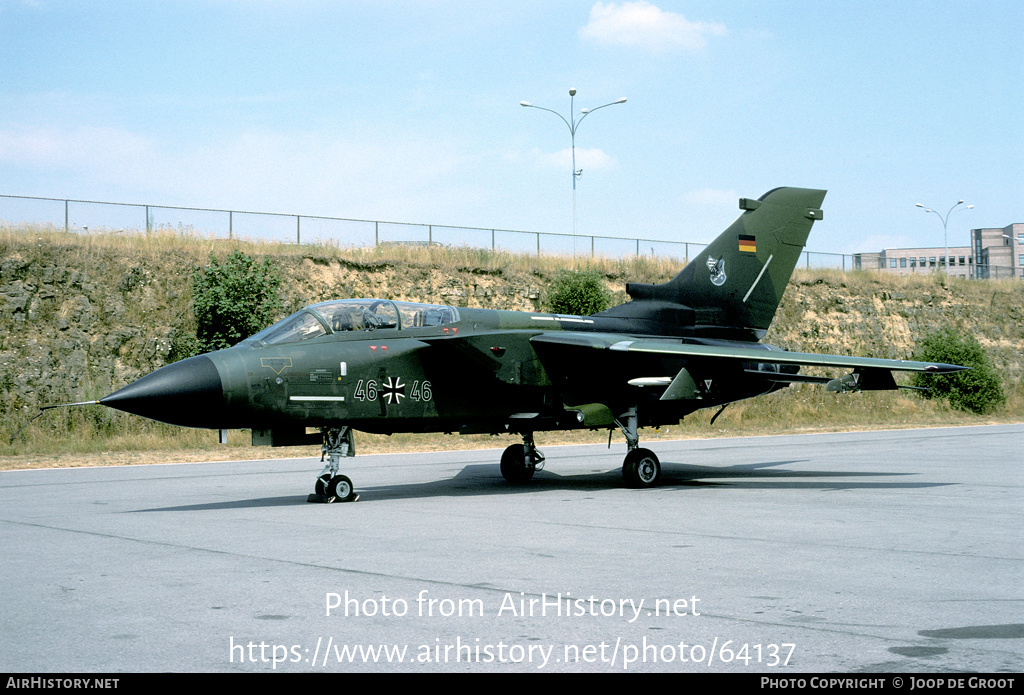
<point>747,243</point>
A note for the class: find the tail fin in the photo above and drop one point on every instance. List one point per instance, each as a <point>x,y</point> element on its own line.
<point>736,283</point>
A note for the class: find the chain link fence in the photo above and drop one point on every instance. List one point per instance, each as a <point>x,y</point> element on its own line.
<point>83,216</point>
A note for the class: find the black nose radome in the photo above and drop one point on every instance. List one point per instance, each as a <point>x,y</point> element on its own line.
<point>187,393</point>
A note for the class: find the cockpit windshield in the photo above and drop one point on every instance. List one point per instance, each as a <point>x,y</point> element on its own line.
<point>299,326</point>
<point>343,315</point>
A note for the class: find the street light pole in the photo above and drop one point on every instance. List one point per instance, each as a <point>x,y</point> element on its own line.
<point>945,237</point>
<point>572,123</point>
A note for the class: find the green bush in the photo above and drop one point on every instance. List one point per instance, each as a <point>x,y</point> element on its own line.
<point>233,300</point>
<point>976,390</point>
<point>579,292</point>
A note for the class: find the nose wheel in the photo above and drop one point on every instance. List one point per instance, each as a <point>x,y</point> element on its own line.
<point>340,488</point>
<point>331,486</point>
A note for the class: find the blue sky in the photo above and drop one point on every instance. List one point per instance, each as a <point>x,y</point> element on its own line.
<point>409,111</point>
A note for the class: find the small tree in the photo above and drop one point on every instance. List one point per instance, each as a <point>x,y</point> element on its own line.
<point>579,292</point>
<point>233,300</point>
<point>976,390</point>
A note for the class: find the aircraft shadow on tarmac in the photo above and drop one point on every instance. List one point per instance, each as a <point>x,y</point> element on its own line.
<point>485,479</point>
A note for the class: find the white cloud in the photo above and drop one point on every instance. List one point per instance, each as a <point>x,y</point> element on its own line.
<point>647,26</point>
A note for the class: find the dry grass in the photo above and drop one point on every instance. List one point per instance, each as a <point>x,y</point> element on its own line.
<point>190,243</point>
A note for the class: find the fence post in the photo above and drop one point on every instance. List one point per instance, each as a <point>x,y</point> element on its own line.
<point>376,233</point>
<point>492,241</point>
<point>538,243</point>
<point>66,228</point>
<point>298,229</point>
<point>638,248</point>
<point>147,220</point>
<point>430,235</point>
<point>231,224</point>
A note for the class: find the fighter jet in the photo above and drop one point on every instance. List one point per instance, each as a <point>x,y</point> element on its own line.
<point>384,366</point>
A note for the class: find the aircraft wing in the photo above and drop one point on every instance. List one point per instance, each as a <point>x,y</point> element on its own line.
<point>869,373</point>
<point>739,352</point>
<point>784,357</point>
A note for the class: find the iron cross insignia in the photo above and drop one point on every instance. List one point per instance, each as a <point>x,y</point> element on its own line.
<point>393,390</point>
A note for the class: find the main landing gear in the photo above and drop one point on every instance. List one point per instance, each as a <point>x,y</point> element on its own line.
<point>330,486</point>
<point>640,469</point>
<point>520,461</point>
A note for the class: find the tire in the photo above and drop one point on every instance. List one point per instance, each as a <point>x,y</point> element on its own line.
<point>513,465</point>
<point>320,487</point>
<point>641,469</point>
<point>341,487</point>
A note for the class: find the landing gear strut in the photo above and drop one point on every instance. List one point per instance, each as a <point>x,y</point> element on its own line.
<point>520,461</point>
<point>330,486</point>
<point>641,467</point>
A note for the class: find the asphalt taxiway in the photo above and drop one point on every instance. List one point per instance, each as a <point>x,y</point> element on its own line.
<point>898,551</point>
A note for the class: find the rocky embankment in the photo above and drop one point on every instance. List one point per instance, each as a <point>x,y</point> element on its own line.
<point>79,319</point>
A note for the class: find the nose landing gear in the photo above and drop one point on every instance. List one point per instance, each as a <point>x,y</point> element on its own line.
<point>330,486</point>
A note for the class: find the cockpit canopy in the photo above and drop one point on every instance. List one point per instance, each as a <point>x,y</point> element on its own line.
<point>342,315</point>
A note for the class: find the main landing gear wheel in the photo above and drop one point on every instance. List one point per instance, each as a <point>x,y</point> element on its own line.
<point>641,468</point>
<point>520,461</point>
<point>514,468</point>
